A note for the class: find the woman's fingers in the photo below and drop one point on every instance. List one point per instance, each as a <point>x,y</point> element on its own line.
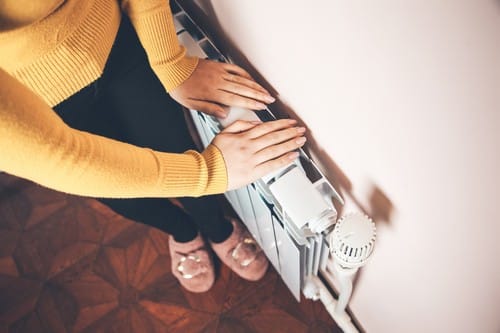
<point>246,82</point>
<point>274,151</point>
<point>236,70</point>
<point>216,85</point>
<point>243,84</point>
<point>277,137</point>
<point>231,99</point>
<point>207,107</point>
<point>240,126</point>
<point>244,91</point>
<point>270,126</point>
<point>272,165</point>
<point>251,150</point>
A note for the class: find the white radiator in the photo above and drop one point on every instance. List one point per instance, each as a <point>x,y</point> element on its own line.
<point>313,253</point>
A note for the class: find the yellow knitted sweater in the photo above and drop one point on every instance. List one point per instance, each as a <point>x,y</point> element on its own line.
<point>49,50</point>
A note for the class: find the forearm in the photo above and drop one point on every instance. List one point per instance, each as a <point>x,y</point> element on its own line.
<point>37,145</point>
<point>153,22</point>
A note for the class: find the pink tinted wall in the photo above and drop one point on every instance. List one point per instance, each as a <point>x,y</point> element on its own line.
<point>402,100</point>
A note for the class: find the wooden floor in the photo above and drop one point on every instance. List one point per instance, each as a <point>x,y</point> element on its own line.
<point>69,264</point>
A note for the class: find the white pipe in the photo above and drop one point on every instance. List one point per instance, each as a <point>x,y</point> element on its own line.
<point>342,319</point>
<point>344,277</point>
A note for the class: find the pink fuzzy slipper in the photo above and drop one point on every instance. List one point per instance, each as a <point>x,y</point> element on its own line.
<point>192,264</point>
<point>242,254</point>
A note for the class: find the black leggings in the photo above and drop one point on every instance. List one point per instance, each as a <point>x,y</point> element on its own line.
<point>129,104</point>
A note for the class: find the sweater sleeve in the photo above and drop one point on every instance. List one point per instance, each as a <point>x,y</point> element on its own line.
<point>36,144</point>
<point>153,22</point>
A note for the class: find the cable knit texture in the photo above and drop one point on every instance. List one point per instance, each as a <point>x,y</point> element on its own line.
<point>54,57</point>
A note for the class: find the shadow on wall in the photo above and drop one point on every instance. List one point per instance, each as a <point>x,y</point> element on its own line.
<point>376,203</point>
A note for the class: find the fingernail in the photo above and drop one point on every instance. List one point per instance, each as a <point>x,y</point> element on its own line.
<point>301,140</point>
<point>293,155</point>
<point>269,99</point>
<point>292,121</point>
<point>221,115</point>
<point>301,129</point>
<point>260,106</point>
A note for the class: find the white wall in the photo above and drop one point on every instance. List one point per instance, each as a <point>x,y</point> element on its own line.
<point>403,95</point>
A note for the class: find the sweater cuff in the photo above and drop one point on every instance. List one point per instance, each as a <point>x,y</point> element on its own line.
<point>217,171</point>
<point>166,56</point>
<point>172,76</point>
<point>191,174</point>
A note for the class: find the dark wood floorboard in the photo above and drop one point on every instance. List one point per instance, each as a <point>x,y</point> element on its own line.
<point>70,264</point>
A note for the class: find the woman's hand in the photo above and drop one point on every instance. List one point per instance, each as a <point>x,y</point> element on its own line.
<point>252,150</point>
<point>214,85</point>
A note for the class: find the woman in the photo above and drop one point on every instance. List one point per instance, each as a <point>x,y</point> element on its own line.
<point>84,109</point>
